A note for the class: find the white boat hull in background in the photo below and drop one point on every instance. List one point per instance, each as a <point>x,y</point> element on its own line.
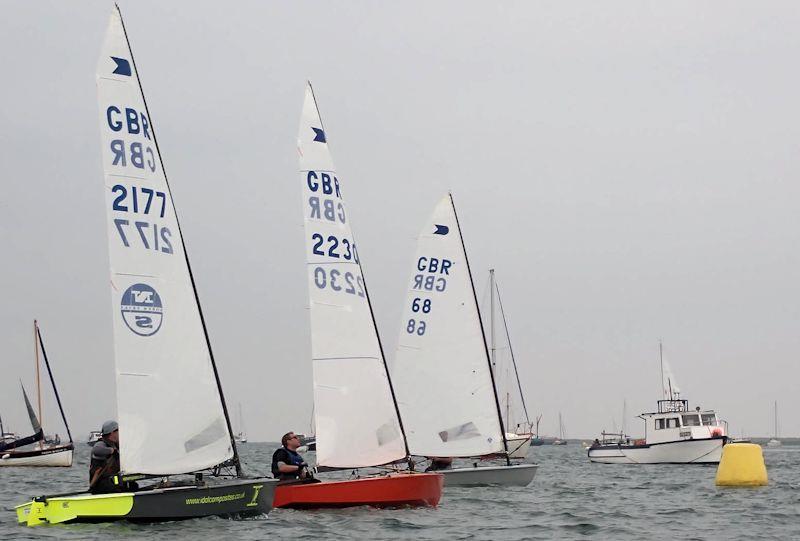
<point>698,451</point>
<point>59,458</point>
<point>518,445</point>
<point>519,475</point>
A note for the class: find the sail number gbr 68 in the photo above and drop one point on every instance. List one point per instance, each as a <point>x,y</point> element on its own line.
<point>430,279</point>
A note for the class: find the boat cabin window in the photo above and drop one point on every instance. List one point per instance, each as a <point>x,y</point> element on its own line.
<point>672,422</point>
<point>691,419</point>
<point>709,419</point>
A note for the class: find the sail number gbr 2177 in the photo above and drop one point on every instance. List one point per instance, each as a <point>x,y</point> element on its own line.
<point>144,204</point>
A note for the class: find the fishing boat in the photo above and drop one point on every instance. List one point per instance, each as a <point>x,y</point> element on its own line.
<point>37,450</point>
<point>174,428</point>
<point>94,437</point>
<point>674,434</point>
<point>519,441</point>
<point>357,424</point>
<point>561,440</point>
<point>442,370</point>
<point>774,441</point>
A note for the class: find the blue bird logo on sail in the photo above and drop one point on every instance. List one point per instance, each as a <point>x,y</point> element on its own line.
<point>319,135</point>
<point>142,309</point>
<point>441,229</point>
<point>123,66</point>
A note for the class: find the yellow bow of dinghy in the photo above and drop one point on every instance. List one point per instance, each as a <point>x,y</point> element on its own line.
<point>65,508</point>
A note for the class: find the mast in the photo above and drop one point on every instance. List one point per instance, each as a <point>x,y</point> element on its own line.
<point>511,351</point>
<point>491,320</point>
<point>661,361</point>
<point>374,322</point>
<point>483,333</point>
<point>52,379</point>
<point>38,381</point>
<point>776,419</point>
<point>236,461</point>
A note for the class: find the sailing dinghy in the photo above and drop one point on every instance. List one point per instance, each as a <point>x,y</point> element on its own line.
<point>21,452</point>
<point>442,371</point>
<point>172,414</point>
<point>357,424</point>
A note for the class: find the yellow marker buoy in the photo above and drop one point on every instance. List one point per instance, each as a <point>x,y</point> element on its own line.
<point>742,465</point>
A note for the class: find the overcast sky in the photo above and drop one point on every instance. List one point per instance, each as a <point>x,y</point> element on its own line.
<point>629,168</point>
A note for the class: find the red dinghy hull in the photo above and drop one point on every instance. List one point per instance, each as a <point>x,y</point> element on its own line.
<point>395,490</point>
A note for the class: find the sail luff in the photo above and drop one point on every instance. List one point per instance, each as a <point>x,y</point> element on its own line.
<point>357,421</point>
<point>52,379</point>
<point>441,368</point>
<point>483,333</point>
<point>371,312</point>
<point>160,344</point>
<point>236,461</point>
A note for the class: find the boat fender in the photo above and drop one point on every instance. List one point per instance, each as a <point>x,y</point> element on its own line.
<point>716,433</point>
<point>742,465</point>
<point>5,456</point>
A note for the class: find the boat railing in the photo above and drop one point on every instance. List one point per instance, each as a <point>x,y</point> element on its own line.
<point>673,406</point>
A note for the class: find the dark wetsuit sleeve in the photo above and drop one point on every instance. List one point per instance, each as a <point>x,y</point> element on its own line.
<point>279,455</point>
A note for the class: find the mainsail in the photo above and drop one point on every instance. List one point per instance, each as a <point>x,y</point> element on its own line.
<point>441,372</point>
<point>35,424</point>
<point>356,420</point>
<point>169,405</point>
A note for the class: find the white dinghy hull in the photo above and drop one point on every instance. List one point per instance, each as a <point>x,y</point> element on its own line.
<point>519,475</point>
<point>518,445</point>
<point>697,451</point>
<point>61,457</point>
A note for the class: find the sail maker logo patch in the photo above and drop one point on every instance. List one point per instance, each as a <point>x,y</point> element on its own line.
<point>142,310</point>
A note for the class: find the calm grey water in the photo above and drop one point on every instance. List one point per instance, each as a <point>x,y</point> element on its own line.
<point>569,499</point>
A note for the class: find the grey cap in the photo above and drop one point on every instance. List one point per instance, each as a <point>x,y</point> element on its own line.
<point>109,427</point>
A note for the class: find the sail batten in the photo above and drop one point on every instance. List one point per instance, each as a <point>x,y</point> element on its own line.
<point>169,423</point>
<point>441,370</point>
<point>356,422</point>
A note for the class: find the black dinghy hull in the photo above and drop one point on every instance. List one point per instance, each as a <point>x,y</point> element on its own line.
<point>234,499</point>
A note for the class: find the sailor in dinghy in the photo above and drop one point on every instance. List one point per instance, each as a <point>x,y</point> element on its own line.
<point>174,421</point>
<point>357,424</point>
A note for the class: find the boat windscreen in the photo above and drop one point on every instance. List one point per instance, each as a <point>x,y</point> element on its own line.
<point>709,419</point>
<point>691,419</point>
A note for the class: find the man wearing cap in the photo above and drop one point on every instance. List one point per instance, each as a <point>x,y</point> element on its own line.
<point>104,466</point>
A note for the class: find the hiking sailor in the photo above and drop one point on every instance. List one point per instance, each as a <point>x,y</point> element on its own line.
<point>104,466</point>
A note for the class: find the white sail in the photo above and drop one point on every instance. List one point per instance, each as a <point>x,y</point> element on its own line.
<point>441,373</point>
<point>356,420</point>
<point>669,385</point>
<point>168,404</point>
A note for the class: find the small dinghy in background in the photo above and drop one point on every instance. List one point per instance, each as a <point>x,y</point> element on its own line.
<point>173,420</point>
<point>442,371</point>
<point>34,450</point>
<point>356,422</point>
